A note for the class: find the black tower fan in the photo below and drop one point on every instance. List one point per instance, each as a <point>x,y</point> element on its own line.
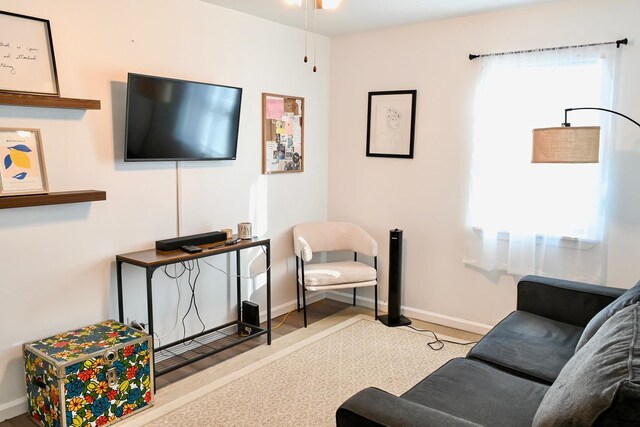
<point>394,318</point>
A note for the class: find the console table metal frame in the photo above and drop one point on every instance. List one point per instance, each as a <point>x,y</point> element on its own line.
<point>152,259</point>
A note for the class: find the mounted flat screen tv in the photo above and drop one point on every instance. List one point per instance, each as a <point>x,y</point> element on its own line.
<point>169,119</point>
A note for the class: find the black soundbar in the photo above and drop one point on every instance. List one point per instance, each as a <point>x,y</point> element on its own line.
<point>194,239</point>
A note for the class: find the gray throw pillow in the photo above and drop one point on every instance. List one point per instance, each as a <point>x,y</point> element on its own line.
<point>631,296</point>
<point>601,382</point>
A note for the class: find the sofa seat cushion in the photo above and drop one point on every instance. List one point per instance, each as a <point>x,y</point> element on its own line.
<point>529,345</point>
<point>479,393</point>
<point>373,407</point>
<point>600,385</point>
<point>347,274</point>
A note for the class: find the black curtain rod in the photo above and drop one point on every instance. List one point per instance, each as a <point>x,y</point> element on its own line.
<point>617,43</point>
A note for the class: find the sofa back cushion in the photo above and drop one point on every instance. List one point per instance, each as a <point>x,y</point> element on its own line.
<point>631,296</point>
<point>600,384</point>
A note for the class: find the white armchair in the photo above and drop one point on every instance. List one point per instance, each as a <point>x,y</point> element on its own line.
<point>316,237</point>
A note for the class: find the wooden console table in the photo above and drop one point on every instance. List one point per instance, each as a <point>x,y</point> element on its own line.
<point>218,338</point>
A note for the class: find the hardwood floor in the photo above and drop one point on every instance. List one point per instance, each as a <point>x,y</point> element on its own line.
<point>19,421</point>
<point>294,321</point>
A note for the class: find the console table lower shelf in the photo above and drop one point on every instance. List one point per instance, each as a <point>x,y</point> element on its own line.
<point>195,347</point>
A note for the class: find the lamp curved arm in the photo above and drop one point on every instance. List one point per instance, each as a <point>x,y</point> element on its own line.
<point>595,108</point>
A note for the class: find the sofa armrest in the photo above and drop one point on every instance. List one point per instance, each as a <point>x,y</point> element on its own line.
<point>563,300</point>
<point>374,407</point>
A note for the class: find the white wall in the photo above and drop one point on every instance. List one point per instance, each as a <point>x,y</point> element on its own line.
<point>426,196</point>
<point>57,270</point>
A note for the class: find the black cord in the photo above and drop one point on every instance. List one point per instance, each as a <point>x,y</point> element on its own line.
<point>438,344</point>
<point>190,266</point>
<point>193,294</point>
<point>184,327</point>
<point>177,276</point>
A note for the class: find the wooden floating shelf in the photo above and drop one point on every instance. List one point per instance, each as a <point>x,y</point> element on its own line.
<point>59,198</point>
<point>48,101</point>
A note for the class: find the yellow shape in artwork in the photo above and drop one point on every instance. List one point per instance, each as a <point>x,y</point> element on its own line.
<point>20,159</point>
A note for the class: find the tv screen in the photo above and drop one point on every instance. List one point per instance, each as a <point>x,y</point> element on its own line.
<point>169,119</point>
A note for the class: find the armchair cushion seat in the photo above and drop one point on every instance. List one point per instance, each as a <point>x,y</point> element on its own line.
<point>529,345</point>
<point>337,275</point>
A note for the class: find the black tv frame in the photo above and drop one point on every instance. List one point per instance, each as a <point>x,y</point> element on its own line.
<point>169,79</point>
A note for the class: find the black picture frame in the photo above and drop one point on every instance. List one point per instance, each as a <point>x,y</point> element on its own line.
<point>28,64</point>
<point>391,121</point>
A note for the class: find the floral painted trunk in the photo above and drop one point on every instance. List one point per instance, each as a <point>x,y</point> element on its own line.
<point>93,376</point>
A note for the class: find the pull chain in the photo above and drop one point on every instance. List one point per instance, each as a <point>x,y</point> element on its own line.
<point>315,34</point>
<point>306,27</point>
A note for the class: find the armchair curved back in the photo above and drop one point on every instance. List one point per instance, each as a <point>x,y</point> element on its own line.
<point>328,236</point>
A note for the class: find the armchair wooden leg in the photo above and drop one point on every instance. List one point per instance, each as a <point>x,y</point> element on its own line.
<point>354,297</point>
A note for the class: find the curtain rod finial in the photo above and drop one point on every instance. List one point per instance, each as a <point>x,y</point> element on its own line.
<point>622,41</point>
<point>472,57</point>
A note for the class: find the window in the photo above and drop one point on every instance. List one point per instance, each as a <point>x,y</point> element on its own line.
<point>535,203</point>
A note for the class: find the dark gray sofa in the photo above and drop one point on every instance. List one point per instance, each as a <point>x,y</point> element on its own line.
<point>568,356</point>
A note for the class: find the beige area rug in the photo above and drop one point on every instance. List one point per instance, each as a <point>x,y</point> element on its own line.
<point>305,383</point>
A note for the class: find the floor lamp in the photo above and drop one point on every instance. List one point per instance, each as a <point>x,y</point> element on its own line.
<point>568,144</point>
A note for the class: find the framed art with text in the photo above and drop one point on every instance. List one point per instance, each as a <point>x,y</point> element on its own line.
<point>22,170</point>
<point>391,120</point>
<point>282,133</point>
<point>27,62</point>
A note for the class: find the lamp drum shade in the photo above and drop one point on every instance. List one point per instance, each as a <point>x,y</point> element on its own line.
<point>566,145</point>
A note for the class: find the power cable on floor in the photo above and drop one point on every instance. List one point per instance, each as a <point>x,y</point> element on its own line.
<point>285,318</point>
<point>438,344</point>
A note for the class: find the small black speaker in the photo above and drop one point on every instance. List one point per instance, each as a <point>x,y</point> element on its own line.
<point>250,315</point>
<point>394,318</point>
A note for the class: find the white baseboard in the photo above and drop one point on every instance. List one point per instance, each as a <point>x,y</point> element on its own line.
<point>416,313</point>
<point>13,408</point>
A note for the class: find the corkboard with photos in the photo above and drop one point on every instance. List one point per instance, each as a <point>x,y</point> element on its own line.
<point>282,134</point>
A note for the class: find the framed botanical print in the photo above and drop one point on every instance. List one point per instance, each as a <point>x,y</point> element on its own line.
<point>22,170</point>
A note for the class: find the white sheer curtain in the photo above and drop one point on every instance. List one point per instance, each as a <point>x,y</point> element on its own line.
<point>526,218</point>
